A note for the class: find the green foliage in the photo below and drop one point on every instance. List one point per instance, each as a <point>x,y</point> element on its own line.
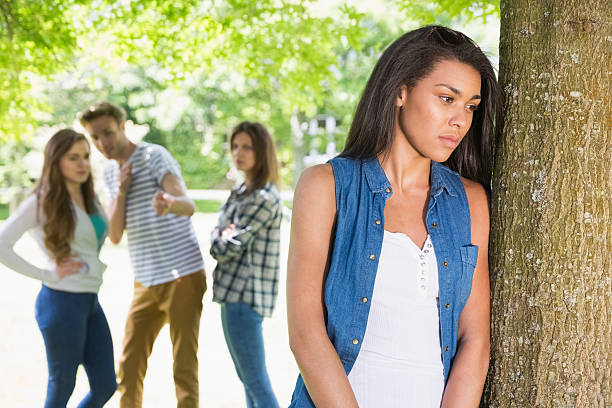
<point>443,11</point>
<point>37,38</point>
<point>191,70</point>
<point>278,45</point>
<point>285,49</point>
<point>354,67</point>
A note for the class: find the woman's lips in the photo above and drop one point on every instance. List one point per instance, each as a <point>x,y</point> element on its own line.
<point>449,141</point>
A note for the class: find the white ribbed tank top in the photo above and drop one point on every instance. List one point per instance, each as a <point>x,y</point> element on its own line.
<point>400,363</point>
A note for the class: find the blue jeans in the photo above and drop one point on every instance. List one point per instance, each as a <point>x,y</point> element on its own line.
<point>75,332</point>
<point>244,338</point>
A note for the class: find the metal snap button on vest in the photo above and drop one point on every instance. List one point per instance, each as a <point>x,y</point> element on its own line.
<point>377,222</point>
<point>355,341</point>
<point>446,348</point>
<point>372,257</point>
<point>388,190</point>
<point>364,300</point>
<point>434,224</point>
<point>447,305</point>
<point>445,264</point>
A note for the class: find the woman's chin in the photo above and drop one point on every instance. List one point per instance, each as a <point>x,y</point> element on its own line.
<point>439,157</point>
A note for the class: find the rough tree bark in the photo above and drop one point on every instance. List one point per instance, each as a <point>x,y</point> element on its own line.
<point>551,235</point>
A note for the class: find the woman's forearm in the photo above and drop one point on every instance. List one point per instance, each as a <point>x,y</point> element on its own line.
<point>322,371</point>
<point>467,376</point>
<point>24,219</point>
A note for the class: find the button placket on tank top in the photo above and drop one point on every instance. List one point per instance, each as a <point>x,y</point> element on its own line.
<point>426,277</point>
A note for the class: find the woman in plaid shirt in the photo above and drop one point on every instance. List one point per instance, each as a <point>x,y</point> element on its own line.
<point>246,244</point>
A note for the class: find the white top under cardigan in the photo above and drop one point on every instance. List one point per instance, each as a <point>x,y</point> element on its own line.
<point>400,362</point>
<point>85,245</point>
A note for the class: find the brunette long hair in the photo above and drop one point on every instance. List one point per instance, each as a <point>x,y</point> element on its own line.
<point>406,61</point>
<point>54,201</point>
<point>266,163</point>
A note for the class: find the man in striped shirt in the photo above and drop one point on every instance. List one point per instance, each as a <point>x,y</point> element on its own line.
<point>148,199</point>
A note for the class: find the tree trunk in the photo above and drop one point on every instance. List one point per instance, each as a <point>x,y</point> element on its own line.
<point>551,234</point>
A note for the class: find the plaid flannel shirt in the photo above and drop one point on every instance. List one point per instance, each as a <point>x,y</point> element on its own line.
<point>248,262</point>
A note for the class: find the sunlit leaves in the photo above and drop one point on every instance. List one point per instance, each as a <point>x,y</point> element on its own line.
<point>276,44</point>
<point>439,11</point>
<point>37,38</point>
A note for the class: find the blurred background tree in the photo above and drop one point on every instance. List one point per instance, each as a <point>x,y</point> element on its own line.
<point>193,69</point>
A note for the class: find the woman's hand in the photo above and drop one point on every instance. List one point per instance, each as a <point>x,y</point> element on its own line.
<point>229,233</point>
<point>70,266</point>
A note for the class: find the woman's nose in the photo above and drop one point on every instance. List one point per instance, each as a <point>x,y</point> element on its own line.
<point>459,118</point>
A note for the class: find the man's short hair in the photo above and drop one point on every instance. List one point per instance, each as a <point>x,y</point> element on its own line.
<point>100,109</point>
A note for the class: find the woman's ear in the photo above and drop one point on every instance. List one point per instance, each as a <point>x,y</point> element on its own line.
<point>402,96</point>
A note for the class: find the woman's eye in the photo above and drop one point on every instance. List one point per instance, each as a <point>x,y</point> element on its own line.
<point>472,108</point>
<point>446,99</point>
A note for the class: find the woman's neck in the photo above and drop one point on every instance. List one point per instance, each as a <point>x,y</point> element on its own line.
<point>404,167</point>
<point>75,192</point>
<point>248,180</point>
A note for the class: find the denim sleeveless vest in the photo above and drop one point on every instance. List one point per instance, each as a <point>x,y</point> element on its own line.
<point>361,192</point>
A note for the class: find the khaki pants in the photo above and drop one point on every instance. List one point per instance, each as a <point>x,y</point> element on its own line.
<point>180,304</point>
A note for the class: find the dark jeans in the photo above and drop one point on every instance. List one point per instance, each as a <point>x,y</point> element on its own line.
<point>243,335</point>
<point>75,332</point>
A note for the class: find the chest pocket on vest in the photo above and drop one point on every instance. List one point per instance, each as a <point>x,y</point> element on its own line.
<point>469,256</point>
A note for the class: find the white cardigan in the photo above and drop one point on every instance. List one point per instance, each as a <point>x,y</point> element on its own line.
<point>85,245</point>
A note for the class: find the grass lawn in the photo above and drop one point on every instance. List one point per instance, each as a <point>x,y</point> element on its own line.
<point>213,206</point>
<point>4,211</point>
<point>208,206</point>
